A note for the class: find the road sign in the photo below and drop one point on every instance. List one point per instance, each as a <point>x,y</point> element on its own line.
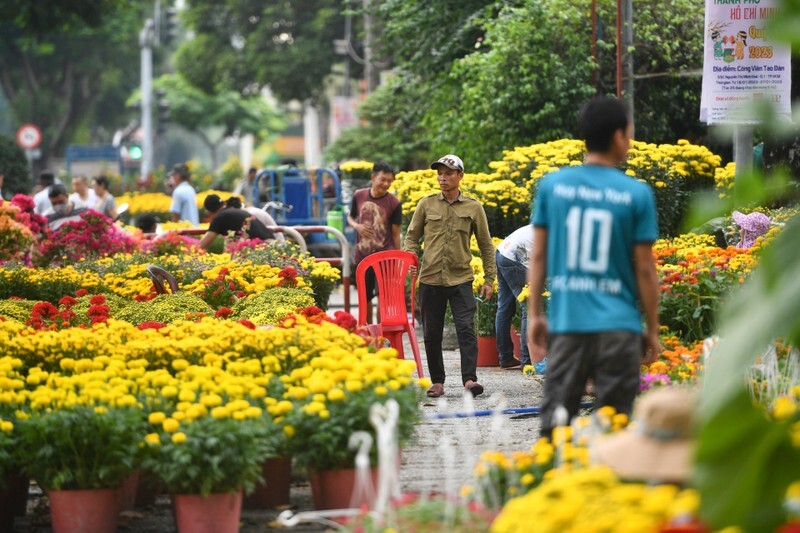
<point>29,136</point>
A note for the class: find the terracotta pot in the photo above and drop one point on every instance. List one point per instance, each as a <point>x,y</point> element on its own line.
<point>215,513</point>
<point>84,511</point>
<point>487,352</point>
<point>127,491</point>
<point>277,472</point>
<point>516,340</point>
<point>333,489</point>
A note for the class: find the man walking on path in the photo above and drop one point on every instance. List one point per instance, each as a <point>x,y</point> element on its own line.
<point>512,267</point>
<point>376,215</point>
<point>594,227</point>
<point>184,197</point>
<point>446,221</point>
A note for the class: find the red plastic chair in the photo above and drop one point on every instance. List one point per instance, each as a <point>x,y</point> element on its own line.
<point>391,268</point>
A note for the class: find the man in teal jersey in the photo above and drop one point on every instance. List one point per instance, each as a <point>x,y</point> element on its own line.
<point>594,228</point>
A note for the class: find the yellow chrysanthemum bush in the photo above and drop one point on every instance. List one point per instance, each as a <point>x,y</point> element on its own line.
<point>506,203</point>
<point>594,499</point>
<point>356,170</point>
<point>673,171</point>
<point>203,402</point>
<point>159,203</point>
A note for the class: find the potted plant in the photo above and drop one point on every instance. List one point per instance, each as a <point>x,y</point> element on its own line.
<point>206,464</point>
<point>327,407</point>
<point>485,329</point>
<point>80,455</point>
<point>11,490</point>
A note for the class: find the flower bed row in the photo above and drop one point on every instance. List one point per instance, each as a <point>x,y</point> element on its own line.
<point>201,404</point>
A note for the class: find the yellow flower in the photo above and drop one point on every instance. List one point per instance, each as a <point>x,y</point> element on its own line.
<point>170,425</point>
<point>156,418</point>
<point>152,438</point>
<point>178,437</point>
<point>288,430</point>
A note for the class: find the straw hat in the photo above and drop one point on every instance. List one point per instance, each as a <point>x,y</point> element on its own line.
<point>659,447</point>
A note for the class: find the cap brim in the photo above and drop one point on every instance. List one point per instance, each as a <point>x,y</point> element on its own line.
<point>439,163</point>
<point>633,456</point>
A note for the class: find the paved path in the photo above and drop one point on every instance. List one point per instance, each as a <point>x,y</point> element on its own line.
<point>443,453</point>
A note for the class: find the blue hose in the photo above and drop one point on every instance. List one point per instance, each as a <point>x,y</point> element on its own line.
<point>490,412</point>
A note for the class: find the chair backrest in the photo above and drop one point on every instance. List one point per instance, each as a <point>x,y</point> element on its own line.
<point>391,268</point>
<point>296,192</point>
<point>159,276</point>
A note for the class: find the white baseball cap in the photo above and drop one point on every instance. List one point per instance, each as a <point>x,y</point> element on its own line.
<point>450,161</point>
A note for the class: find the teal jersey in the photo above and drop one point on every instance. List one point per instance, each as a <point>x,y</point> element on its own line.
<point>594,216</point>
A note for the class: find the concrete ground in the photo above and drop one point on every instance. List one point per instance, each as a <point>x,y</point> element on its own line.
<point>444,451</point>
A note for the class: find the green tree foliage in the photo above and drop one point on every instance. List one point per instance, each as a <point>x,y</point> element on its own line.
<point>69,66</point>
<point>524,89</point>
<point>287,46</point>
<point>507,73</point>
<point>391,130</point>
<point>14,167</point>
<point>213,117</point>
<point>426,37</point>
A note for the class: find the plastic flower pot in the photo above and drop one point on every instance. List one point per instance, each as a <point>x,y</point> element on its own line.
<point>84,511</point>
<point>215,513</point>
<point>277,473</point>
<point>333,489</point>
<point>487,351</point>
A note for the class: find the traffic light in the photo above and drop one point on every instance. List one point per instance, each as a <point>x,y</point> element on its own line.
<point>135,152</point>
<point>162,111</point>
<point>169,28</point>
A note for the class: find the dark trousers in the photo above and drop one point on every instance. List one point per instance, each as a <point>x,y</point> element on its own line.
<point>511,278</point>
<point>611,358</point>
<point>433,301</point>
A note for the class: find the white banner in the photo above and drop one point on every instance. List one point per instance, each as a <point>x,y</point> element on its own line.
<point>742,65</point>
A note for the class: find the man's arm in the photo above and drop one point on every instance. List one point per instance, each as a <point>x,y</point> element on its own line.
<point>647,283</point>
<point>486,247</point>
<point>415,230</point>
<point>396,236</point>
<point>537,274</point>
<point>207,239</point>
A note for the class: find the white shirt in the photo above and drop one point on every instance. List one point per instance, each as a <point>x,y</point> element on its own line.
<point>517,246</point>
<point>90,202</point>
<point>41,201</point>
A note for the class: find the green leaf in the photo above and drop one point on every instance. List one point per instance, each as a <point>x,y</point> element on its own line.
<point>744,465</point>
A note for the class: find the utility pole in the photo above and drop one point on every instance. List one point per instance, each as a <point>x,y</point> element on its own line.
<point>624,54</point>
<point>146,37</point>
<point>372,72</point>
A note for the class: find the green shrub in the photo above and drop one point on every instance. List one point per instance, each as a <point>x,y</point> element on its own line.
<point>164,308</point>
<point>272,305</point>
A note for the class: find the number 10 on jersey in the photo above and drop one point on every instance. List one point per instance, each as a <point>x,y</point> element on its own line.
<point>588,239</point>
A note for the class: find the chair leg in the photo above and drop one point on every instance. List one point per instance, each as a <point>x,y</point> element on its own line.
<point>412,337</point>
<point>395,338</point>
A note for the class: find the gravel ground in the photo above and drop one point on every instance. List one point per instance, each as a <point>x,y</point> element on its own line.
<point>440,458</point>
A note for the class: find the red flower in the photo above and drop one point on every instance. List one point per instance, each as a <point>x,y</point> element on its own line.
<point>98,310</point>
<point>44,309</point>
<point>345,320</point>
<point>98,319</point>
<point>247,324</point>
<point>311,310</point>
<point>98,299</point>
<point>288,277</point>
<point>67,301</point>
<point>81,292</point>
<point>223,312</point>
<point>67,314</point>
<point>151,325</point>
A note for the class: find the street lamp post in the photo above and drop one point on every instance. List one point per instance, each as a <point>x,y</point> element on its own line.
<point>146,37</point>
